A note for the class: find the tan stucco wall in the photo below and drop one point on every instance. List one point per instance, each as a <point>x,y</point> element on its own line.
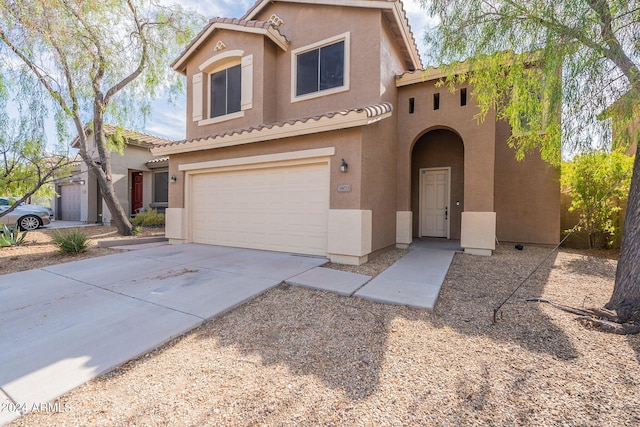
<point>325,22</point>
<point>379,151</point>
<point>347,143</point>
<point>251,44</point>
<point>478,139</point>
<point>527,196</point>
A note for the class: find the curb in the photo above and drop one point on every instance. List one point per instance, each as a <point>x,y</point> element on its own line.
<point>132,241</point>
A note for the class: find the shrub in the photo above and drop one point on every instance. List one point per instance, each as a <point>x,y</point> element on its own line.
<point>150,218</point>
<point>11,236</point>
<point>72,242</point>
<point>598,184</point>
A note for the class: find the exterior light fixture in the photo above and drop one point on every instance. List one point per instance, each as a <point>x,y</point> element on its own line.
<point>173,179</point>
<point>343,166</point>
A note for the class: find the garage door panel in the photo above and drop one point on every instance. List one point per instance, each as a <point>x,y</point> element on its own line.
<point>283,209</point>
<point>70,198</point>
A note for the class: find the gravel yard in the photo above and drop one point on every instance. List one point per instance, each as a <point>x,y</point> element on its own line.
<point>40,251</point>
<point>297,357</point>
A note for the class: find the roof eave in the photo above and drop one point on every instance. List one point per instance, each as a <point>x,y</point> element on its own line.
<point>353,118</point>
<point>270,32</point>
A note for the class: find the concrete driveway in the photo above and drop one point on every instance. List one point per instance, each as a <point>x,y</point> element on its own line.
<point>63,325</point>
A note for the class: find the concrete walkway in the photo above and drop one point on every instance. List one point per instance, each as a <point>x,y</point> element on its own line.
<point>63,325</point>
<point>414,280</point>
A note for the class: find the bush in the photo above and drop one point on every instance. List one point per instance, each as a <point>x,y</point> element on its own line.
<point>598,184</point>
<point>11,236</point>
<point>72,242</point>
<point>150,218</point>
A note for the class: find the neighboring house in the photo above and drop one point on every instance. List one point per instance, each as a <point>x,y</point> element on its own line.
<point>312,128</point>
<point>140,180</point>
<point>66,204</point>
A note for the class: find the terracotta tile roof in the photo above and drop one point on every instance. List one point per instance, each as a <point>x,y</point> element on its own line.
<point>372,112</point>
<point>265,25</point>
<point>158,160</point>
<point>132,137</point>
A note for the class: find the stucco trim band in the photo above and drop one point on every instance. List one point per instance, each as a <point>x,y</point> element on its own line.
<point>478,233</point>
<point>404,229</point>
<point>254,160</point>
<point>325,123</point>
<point>350,235</point>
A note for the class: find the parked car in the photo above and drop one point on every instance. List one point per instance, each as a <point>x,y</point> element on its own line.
<point>25,216</point>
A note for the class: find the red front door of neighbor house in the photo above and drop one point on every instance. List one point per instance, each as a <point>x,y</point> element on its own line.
<point>136,192</point>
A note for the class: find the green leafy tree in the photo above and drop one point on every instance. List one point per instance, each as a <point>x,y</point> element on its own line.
<point>598,184</point>
<point>583,55</point>
<point>27,165</point>
<point>95,59</point>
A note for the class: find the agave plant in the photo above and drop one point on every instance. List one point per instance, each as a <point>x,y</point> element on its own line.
<point>11,236</point>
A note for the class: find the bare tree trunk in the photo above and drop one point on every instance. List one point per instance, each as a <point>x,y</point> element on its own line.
<point>118,215</point>
<point>625,299</point>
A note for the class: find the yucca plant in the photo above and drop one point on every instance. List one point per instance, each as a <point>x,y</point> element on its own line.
<point>72,242</point>
<point>11,236</point>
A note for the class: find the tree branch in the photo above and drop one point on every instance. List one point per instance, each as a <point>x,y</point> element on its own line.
<point>36,70</point>
<point>616,52</point>
<point>143,57</point>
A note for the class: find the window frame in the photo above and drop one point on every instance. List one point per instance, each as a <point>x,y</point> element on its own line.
<point>227,78</point>
<point>214,65</point>
<point>153,189</point>
<point>344,37</point>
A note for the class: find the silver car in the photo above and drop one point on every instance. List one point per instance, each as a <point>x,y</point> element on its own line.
<point>26,217</point>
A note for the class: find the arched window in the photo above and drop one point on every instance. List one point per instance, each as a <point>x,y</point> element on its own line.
<point>223,89</point>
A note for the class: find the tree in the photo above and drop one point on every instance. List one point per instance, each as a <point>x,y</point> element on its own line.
<point>528,59</point>
<point>95,59</point>
<point>598,184</point>
<point>27,165</point>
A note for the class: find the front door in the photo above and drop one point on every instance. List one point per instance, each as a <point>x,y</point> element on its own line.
<point>434,202</point>
<point>136,192</point>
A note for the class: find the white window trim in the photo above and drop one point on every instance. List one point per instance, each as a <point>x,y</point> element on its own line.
<point>347,61</point>
<point>214,120</point>
<point>221,62</point>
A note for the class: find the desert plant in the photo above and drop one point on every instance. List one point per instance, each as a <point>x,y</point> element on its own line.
<point>150,218</point>
<point>11,236</point>
<point>598,184</point>
<point>71,242</point>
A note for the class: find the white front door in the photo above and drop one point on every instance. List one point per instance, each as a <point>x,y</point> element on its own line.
<point>434,202</point>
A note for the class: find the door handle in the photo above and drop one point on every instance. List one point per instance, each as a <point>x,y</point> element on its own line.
<point>446,213</point>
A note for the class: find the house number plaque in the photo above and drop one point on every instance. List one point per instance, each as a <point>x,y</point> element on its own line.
<point>344,188</point>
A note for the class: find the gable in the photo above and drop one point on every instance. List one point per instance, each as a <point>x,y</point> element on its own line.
<point>268,29</point>
<point>392,11</point>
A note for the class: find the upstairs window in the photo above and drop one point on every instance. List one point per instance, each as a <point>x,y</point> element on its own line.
<point>223,89</point>
<point>321,69</point>
<point>226,90</point>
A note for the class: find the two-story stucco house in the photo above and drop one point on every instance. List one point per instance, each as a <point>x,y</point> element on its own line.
<point>313,128</point>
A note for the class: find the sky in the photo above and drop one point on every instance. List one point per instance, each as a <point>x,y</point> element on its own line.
<point>168,120</point>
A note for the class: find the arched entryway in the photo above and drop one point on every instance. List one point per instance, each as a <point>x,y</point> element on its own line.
<point>437,184</point>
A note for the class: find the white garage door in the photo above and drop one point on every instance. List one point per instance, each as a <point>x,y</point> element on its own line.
<point>70,202</point>
<point>280,208</point>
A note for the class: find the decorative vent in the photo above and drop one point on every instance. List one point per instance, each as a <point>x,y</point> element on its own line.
<point>219,46</point>
<point>276,21</point>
